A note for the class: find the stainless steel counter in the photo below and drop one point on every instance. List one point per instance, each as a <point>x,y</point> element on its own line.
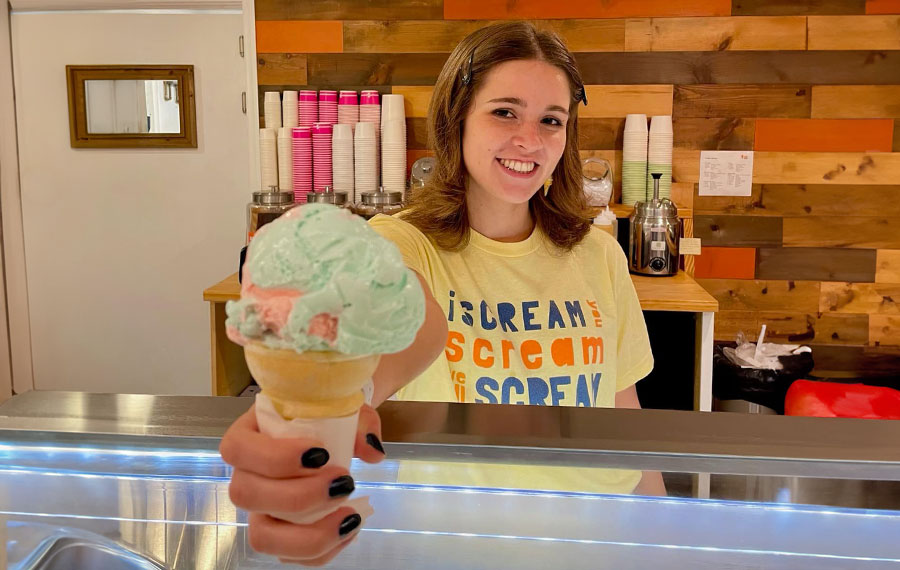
<point>88,479</point>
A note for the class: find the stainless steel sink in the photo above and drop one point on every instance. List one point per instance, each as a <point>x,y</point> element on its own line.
<point>75,553</point>
<point>71,549</point>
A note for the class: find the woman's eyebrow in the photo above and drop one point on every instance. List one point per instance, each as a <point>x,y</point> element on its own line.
<point>521,103</point>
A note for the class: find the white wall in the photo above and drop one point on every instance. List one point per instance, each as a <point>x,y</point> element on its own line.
<point>119,244</point>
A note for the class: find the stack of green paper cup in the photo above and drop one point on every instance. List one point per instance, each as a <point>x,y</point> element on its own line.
<point>634,160</point>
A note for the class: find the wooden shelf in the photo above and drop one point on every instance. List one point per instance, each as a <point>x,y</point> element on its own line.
<point>678,293</point>
<point>623,211</point>
<point>228,289</point>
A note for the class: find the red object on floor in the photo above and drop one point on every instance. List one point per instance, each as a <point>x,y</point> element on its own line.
<point>836,400</point>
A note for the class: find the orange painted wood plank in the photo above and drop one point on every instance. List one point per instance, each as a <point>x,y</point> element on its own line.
<point>537,9</point>
<point>299,36</point>
<point>824,135</point>
<point>882,6</point>
<point>725,263</point>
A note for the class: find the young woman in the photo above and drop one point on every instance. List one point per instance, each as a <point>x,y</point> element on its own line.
<point>526,303</point>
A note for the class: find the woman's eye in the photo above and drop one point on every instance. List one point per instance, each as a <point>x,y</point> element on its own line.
<point>504,113</point>
<point>553,121</point>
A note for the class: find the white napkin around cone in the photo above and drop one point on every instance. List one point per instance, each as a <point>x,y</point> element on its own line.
<point>337,435</point>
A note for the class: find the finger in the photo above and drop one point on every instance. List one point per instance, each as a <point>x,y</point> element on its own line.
<point>245,447</point>
<point>368,436</point>
<point>253,492</point>
<point>302,542</point>
<point>323,560</point>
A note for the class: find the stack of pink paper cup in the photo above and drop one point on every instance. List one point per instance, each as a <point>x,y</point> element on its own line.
<point>328,107</point>
<point>302,157</point>
<point>308,109</point>
<point>370,112</point>
<point>322,134</point>
<point>348,109</point>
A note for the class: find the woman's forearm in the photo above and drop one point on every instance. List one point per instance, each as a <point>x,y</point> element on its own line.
<point>399,369</point>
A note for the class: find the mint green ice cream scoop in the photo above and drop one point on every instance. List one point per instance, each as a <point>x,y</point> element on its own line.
<point>320,278</point>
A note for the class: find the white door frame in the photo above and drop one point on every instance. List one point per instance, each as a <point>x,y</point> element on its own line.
<point>249,11</point>
<point>15,346</point>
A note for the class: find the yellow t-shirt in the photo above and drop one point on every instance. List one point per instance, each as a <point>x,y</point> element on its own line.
<point>528,324</point>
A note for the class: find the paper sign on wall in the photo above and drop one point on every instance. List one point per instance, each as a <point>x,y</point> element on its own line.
<point>726,172</point>
<point>689,246</point>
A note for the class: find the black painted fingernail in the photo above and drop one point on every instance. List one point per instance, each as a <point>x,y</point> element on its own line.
<point>314,458</point>
<point>349,524</point>
<point>341,487</point>
<point>373,440</point>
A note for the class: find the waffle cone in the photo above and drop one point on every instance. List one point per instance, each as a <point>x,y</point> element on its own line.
<point>310,384</point>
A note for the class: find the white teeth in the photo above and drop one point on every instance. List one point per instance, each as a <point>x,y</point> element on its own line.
<point>517,165</point>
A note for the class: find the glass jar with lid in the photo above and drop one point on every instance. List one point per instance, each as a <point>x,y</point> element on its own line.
<point>329,196</point>
<point>379,202</point>
<point>266,207</point>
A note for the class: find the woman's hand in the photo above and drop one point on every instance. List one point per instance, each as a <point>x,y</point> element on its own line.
<point>293,475</point>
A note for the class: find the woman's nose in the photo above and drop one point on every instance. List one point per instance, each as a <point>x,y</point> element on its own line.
<point>528,137</point>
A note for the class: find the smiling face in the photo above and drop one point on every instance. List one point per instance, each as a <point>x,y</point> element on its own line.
<point>515,131</point>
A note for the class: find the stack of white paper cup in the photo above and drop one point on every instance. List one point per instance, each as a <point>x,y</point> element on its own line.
<point>634,160</point>
<point>268,159</point>
<point>659,155</point>
<point>308,108</point>
<point>393,157</point>
<point>272,113</point>
<point>285,160</point>
<point>289,109</point>
<point>370,112</point>
<point>342,160</point>
<point>364,159</point>
<point>393,165</point>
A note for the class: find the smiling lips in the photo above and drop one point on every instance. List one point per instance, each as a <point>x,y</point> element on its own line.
<point>518,166</point>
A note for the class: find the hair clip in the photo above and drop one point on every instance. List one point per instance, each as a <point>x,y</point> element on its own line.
<point>467,75</point>
<point>581,95</point>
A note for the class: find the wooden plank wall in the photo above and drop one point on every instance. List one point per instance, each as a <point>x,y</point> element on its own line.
<point>813,86</point>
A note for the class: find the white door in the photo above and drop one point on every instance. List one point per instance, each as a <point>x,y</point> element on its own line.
<point>119,244</point>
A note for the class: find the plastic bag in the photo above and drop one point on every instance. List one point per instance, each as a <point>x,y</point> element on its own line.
<point>762,386</point>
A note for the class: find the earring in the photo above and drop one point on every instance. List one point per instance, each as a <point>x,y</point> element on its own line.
<point>547,186</point>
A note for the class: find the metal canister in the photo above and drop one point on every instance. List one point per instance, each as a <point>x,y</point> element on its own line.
<point>655,232</point>
<point>329,197</point>
<point>266,207</point>
<point>379,202</point>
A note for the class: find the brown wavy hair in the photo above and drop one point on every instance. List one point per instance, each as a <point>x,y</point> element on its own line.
<point>439,209</point>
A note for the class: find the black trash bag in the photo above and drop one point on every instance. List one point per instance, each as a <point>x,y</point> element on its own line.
<point>758,385</point>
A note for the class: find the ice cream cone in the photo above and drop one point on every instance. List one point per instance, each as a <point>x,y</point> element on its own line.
<point>310,384</point>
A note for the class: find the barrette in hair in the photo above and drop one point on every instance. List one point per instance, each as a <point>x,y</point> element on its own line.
<point>581,95</point>
<point>467,75</point>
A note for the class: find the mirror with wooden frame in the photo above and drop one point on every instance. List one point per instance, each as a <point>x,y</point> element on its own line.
<point>132,106</point>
